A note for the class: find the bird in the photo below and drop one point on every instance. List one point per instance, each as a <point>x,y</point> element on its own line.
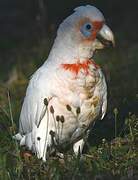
<point>68,93</point>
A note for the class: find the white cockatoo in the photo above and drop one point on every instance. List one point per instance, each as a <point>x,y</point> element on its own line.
<point>68,92</point>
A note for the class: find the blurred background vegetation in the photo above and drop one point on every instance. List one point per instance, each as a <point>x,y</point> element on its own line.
<point>27,31</point>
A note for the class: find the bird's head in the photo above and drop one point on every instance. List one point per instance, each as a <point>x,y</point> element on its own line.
<point>83,32</point>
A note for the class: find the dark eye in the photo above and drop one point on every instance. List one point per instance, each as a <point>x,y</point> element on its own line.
<point>88,26</point>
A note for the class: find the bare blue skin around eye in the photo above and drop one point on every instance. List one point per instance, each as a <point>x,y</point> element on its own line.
<point>85,32</point>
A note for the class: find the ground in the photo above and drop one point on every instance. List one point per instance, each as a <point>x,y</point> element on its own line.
<point>111,150</point>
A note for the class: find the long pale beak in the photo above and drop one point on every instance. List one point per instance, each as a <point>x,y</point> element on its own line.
<point>106,37</point>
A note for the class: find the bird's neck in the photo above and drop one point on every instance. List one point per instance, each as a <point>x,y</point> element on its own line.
<point>66,52</point>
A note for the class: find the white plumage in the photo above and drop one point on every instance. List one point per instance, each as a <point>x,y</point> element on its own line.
<point>68,92</point>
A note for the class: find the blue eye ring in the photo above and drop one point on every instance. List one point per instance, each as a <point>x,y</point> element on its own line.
<point>86,29</point>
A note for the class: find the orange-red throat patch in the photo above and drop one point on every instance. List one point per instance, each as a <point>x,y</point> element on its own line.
<point>75,68</point>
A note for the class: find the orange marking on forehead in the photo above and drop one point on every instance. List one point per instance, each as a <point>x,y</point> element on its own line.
<point>97,25</point>
<point>75,68</point>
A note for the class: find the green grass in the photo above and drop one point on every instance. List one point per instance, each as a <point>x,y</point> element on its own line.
<point>110,159</point>
<point>111,150</point>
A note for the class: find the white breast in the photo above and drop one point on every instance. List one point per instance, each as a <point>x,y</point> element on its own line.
<point>82,90</point>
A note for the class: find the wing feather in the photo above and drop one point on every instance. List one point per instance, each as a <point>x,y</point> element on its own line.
<point>104,101</point>
<point>33,108</point>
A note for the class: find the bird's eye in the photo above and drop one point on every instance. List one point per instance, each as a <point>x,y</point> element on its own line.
<point>88,26</point>
<point>86,29</point>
